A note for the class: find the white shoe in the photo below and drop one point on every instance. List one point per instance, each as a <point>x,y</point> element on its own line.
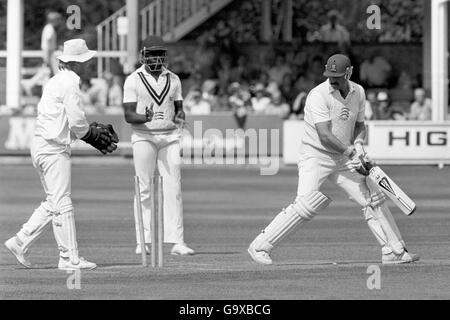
<point>17,251</point>
<point>181,249</point>
<point>139,251</point>
<point>83,264</point>
<point>405,257</point>
<point>260,257</point>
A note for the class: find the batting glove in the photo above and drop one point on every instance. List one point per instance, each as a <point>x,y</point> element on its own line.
<point>377,199</point>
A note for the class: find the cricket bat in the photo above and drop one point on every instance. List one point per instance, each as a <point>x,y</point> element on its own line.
<point>392,190</point>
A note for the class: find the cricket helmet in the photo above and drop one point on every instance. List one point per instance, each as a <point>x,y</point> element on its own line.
<point>338,65</point>
<point>154,53</point>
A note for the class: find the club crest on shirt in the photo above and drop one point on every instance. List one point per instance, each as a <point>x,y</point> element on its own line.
<point>345,113</point>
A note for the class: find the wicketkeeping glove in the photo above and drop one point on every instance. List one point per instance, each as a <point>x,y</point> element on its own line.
<point>102,137</point>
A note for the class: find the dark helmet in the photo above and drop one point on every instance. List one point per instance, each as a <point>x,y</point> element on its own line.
<point>338,65</point>
<point>154,53</point>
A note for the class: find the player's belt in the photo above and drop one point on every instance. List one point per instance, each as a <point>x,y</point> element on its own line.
<point>159,98</point>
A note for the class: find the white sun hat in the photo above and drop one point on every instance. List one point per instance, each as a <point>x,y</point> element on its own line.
<point>76,50</point>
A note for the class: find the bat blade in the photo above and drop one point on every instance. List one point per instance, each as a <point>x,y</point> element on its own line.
<point>392,190</point>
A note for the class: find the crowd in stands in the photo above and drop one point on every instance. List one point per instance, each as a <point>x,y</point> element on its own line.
<point>278,82</point>
<point>218,76</point>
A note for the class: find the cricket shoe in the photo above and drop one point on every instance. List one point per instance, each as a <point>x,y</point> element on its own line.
<point>83,264</point>
<point>260,257</point>
<point>181,249</point>
<point>139,250</point>
<point>405,257</point>
<point>17,251</point>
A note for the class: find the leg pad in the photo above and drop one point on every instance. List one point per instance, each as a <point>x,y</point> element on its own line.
<point>303,210</point>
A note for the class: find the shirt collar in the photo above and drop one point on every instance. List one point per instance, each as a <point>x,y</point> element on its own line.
<point>71,74</point>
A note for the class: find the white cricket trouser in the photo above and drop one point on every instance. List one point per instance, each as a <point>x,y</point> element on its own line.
<point>52,163</point>
<point>162,150</point>
<point>314,170</point>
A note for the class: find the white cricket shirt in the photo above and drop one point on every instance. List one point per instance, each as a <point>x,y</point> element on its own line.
<point>60,117</point>
<point>142,88</point>
<point>324,103</point>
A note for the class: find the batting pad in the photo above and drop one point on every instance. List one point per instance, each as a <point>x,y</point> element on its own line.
<point>303,210</point>
<point>383,225</point>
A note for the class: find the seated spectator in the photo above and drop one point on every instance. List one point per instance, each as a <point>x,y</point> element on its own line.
<point>287,89</point>
<point>371,105</point>
<point>196,105</point>
<point>209,94</point>
<point>301,59</point>
<point>304,84</point>
<point>421,107</point>
<point>315,70</point>
<point>241,71</point>
<point>193,82</point>
<point>273,89</point>
<point>114,92</point>
<point>239,102</point>
<point>375,72</point>
<point>385,110</point>
<point>224,73</point>
<point>298,107</point>
<point>260,101</point>
<point>278,107</point>
<point>333,32</point>
<point>398,114</point>
<point>279,70</point>
<point>98,91</point>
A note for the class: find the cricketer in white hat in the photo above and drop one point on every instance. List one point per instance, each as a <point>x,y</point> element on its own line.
<point>76,50</point>
<point>60,122</point>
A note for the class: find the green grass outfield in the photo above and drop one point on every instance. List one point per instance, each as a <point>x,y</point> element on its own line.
<point>225,208</point>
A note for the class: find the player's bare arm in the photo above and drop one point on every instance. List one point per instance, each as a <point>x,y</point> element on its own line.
<point>135,118</point>
<point>180,115</point>
<point>360,132</point>
<point>330,141</point>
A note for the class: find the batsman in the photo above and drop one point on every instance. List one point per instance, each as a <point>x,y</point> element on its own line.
<point>332,148</point>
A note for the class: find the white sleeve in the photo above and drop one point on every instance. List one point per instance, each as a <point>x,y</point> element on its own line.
<point>129,90</point>
<point>317,107</point>
<point>362,107</point>
<point>78,124</point>
<point>178,90</point>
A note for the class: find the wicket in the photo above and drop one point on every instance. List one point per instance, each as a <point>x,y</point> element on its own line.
<point>156,220</point>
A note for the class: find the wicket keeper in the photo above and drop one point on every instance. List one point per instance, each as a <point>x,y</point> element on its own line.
<point>332,148</point>
<point>60,122</point>
<point>153,105</point>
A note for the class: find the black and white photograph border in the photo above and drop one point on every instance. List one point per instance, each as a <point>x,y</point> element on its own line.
<point>224,154</point>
